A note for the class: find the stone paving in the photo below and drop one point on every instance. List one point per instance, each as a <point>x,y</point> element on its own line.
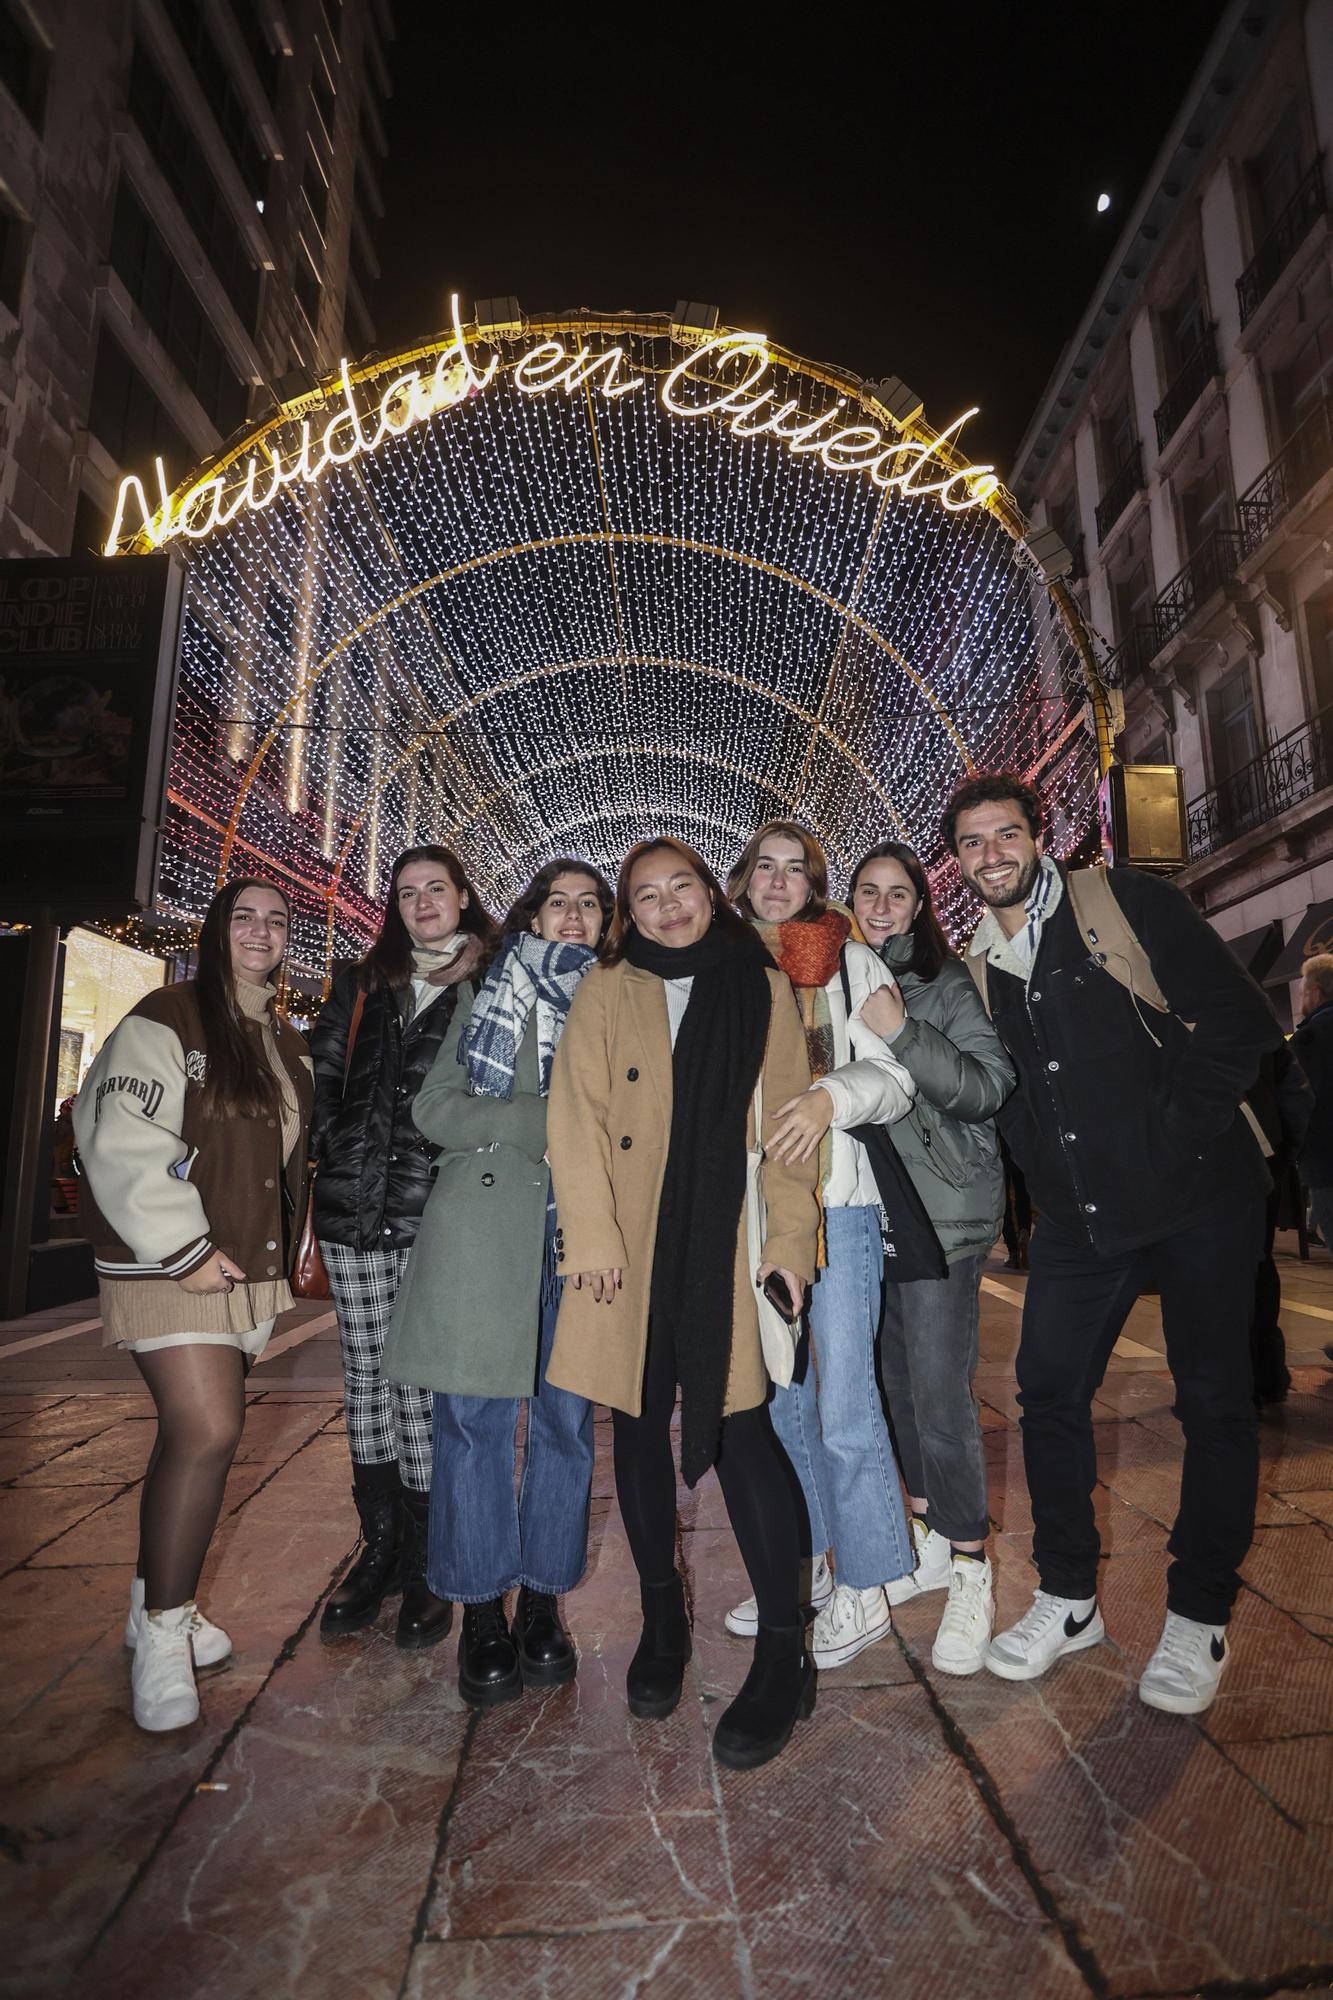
<point>338,1823</point>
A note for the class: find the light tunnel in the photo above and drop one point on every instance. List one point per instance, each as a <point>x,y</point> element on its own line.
<point>559,585</point>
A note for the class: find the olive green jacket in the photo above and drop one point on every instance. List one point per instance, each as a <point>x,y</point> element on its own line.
<point>947,1141</point>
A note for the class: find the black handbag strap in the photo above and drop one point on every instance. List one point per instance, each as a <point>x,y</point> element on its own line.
<point>846,980</point>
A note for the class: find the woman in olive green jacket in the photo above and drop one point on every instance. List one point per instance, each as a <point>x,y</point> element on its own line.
<point>934,1023</point>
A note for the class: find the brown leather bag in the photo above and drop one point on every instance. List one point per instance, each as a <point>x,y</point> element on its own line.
<point>309,1279</point>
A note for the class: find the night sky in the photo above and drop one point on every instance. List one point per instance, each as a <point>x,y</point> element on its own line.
<point>898,190</point>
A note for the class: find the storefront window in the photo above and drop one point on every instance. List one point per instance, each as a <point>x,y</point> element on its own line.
<point>103,980</point>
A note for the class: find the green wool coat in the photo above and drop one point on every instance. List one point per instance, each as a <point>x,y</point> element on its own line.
<point>467,1316</point>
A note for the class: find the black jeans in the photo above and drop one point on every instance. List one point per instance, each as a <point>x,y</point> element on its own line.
<point>1076,1305</point>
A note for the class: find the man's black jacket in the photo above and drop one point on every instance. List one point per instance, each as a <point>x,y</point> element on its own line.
<point>1130,1139</point>
<point>373,1166</point>
<point>1313,1046</point>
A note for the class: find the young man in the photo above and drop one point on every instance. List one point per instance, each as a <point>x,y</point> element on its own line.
<point>1127,1125</point>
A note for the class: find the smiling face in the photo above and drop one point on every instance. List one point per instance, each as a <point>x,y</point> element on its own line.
<point>428,902</point>
<point>257,934</point>
<point>884,901</point>
<point>997,854</point>
<point>572,912</point>
<point>667,900</point>
<point>779,886</point>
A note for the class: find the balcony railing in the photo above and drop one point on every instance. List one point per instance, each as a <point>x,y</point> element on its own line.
<point>1213,562</point>
<point>1294,768</point>
<point>1282,242</point>
<point>1304,458</point>
<point>1131,656</point>
<point>1194,375</point>
<point>1127,482</point>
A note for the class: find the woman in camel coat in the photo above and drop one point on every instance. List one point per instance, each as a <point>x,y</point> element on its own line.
<point>651,1115</point>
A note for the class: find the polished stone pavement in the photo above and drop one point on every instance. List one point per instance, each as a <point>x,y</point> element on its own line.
<point>337,1823</point>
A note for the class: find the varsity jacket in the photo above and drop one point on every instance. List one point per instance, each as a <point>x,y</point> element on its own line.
<point>164,1186</point>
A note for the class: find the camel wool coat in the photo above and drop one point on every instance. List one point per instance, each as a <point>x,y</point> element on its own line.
<point>608,1128</point>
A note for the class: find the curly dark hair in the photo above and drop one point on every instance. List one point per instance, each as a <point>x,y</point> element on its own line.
<point>524,910</point>
<point>989,788</point>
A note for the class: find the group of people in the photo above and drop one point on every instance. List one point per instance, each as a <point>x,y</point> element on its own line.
<point>729,1149</point>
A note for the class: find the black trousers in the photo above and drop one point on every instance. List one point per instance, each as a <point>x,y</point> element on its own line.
<point>1076,1305</point>
<point>757,1483</point>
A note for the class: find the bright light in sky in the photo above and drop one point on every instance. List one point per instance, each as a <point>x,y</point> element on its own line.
<point>1103,203</point>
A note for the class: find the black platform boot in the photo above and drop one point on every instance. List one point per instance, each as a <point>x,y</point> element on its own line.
<point>423,1618</point>
<point>488,1669</point>
<point>657,1671</point>
<point>377,1572</point>
<point>778,1692</point>
<point>544,1651</point>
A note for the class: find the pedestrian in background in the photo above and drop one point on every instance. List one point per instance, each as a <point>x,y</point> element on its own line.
<point>1312,1045</point>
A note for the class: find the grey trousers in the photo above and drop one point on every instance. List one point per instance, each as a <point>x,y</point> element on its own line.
<point>928,1356</point>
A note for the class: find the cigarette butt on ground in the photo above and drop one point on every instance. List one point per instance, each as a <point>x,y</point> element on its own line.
<point>212,1788</point>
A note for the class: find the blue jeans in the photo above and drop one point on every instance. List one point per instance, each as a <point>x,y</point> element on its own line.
<point>483,1539</point>
<point>834,1432</point>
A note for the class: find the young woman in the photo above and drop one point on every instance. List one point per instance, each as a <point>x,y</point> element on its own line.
<point>476,1313</point>
<point>834,1433</point>
<point>191,1125</point>
<point>650,1119</point>
<point>373,1044</point>
<point>933,1020</point>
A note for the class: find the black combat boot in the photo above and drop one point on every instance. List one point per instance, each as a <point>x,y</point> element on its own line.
<point>657,1671</point>
<point>544,1651</point>
<point>778,1692</point>
<point>377,1571</point>
<point>423,1618</point>
<point>488,1669</point>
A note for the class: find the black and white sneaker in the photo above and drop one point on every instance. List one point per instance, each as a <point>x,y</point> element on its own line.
<point>1053,1627</point>
<point>1183,1673</point>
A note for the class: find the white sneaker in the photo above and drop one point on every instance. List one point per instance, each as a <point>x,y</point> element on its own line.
<point>1183,1673</point>
<point>743,1619</point>
<point>1054,1626</point>
<point>849,1622</point>
<point>965,1629</point>
<point>163,1675</point>
<point>932,1570</point>
<point>208,1642</point>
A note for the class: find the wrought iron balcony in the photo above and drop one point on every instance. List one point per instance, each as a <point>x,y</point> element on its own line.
<point>1307,454</point>
<point>1294,768</point>
<point>1193,376</point>
<point>1211,565</point>
<point>1131,656</point>
<point>1282,242</point>
<point>1127,482</point>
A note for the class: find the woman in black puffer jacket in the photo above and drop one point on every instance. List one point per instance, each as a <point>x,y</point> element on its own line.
<point>376,1038</point>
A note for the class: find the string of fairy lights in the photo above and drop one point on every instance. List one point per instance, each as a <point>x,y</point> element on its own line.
<point>540,623</point>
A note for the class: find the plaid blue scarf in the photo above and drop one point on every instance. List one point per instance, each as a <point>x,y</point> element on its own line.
<point>528,972</point>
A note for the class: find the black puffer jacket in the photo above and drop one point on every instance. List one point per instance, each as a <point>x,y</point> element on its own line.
<point>373,1166</point>
<point>1312,1044</point>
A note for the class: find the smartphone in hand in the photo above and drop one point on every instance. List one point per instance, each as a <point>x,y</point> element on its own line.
<point>778,1296</point>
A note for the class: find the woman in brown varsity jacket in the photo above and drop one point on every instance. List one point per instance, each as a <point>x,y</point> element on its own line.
<point>191,1126</point>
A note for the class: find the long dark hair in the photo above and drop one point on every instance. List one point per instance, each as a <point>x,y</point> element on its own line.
<point>238,1082</point>
<point>816,870</point>
<point>930,946</point>
<point>390,957</point>
<point>523,912</point>
<point>622,921</point>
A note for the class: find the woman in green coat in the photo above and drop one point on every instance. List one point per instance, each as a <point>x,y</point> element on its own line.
<point>932,1018</point>
<point>476,1314</point>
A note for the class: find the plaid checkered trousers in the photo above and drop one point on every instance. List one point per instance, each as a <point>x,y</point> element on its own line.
<point>387,1422</point>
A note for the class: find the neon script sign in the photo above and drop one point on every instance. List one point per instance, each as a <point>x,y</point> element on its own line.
<point>725,378</point>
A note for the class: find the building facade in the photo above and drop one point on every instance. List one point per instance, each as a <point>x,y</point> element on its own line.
<point>188,194</point>
<point>1183,450</point>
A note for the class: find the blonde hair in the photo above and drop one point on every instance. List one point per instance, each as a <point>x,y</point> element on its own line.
<point>1319,971</point>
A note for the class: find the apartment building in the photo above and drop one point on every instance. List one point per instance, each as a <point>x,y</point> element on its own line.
<point>188,194</point>
<point>1183,449</point>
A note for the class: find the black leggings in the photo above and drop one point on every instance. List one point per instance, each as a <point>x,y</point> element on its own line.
<point>756,1486</point>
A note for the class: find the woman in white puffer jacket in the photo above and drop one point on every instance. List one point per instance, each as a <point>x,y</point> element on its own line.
<point>831,1420</point>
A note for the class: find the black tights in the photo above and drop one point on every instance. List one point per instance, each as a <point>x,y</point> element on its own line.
<point>199,1392</point>
<point>755,1484</point>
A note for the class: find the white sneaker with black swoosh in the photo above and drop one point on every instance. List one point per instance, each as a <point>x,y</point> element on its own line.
<point>1053,1627</point>
<point>1183,1673</point>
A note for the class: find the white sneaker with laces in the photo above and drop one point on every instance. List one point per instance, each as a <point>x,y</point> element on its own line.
<point>849,1622</point>
<point>965,1629</point>
<point>1183,1673</point>
<point>208,1642</point>
<point>1053,1627</point>
<point>165,1696</point>
<point>743,1619</point>
<point>932,1570</point>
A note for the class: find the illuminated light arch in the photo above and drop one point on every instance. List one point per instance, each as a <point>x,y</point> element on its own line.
<point>514,585</point>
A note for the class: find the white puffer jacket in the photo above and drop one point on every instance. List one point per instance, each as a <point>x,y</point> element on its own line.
<point>868,1085</point>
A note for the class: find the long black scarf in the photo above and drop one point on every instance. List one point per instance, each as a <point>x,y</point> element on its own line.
<point>714,1067</point>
